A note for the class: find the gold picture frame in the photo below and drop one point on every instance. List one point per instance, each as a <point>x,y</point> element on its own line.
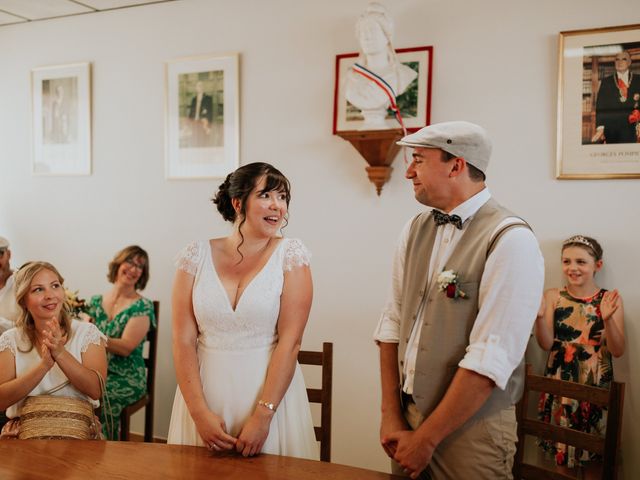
<point>595,112</point>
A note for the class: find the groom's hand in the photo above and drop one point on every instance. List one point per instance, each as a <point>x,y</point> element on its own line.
<point>391,423</point>
<point>412,452</point>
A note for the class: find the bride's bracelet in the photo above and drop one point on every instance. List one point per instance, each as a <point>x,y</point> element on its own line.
<point>268,405</point>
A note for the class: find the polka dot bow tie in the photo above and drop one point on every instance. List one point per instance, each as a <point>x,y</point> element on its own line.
<point>442,218</point>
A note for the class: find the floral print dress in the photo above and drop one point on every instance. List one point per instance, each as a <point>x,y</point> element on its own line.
<point>126,376</point>
<point>579,354</point>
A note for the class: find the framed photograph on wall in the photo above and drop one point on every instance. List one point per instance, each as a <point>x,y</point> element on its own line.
<point>414,101</point>
<point>599,103</point>
<point>61,120</point>
<point>202,116</point>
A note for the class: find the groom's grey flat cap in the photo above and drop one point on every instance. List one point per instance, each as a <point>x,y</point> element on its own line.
<point>462,139</point>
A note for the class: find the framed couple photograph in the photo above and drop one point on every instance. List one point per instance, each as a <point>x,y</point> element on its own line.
<point>408,77</point>
<point>202,116</point>
<point>61,119</point>
<point>599,103</point>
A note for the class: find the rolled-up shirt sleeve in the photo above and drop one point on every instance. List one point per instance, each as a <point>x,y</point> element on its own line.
<point>388,328</point>
<point>509,298</point>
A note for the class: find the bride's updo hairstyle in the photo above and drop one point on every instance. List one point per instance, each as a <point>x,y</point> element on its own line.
<point>239,185</point>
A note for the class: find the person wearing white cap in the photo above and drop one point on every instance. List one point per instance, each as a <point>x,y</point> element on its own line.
<point>8,307</point>
<point>466,286</point>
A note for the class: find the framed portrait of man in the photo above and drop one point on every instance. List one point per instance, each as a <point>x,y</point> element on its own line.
<point>599,103</point>
<point>202,118</point>
<point>61,120</point>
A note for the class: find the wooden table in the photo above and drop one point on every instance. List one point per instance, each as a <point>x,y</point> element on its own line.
<point>78,459</point>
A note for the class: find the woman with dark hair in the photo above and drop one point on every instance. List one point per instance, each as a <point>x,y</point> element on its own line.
<point>48,353</point>
<point>125,317</point>
<point>240,306</point>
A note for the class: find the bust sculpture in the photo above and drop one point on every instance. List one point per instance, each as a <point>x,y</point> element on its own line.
<point>374,31</point>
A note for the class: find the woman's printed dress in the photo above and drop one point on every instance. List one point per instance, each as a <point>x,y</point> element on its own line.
<point>579,354</point>
<point>126,376</point>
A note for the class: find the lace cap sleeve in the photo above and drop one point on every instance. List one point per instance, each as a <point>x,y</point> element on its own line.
<point>188,258</point>
<point>90,336</point>
<point>7,341</point>
<point>295,254</point>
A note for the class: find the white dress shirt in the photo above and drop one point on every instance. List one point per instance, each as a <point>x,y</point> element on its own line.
<point>509,296</point>
<point>198,104</point>
<point>624,76</point>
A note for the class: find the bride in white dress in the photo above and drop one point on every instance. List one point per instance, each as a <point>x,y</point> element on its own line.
<point>240,306</point>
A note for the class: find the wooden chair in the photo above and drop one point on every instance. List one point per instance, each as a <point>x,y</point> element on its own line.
<point>146,401</point>
<point>322,395</point>
<point>606,446</point>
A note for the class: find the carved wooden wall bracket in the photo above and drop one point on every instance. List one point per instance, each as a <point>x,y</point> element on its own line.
<point>379,149</point>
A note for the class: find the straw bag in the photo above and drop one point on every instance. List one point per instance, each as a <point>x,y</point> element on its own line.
<point>51,417</point>
<point>55,417</point>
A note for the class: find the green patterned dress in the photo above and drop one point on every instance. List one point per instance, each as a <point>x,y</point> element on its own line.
<point>126,376</point>
<point>579,354</point>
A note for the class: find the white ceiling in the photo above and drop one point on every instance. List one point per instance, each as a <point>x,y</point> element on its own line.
<point>22,11</point>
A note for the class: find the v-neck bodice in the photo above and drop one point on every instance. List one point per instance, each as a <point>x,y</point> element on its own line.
<point>253,323</point>
<point>248,285</point>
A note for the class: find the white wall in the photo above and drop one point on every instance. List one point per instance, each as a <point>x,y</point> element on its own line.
<point>495,63</point>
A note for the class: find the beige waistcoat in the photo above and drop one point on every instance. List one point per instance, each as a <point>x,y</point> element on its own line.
<point>447,322</point>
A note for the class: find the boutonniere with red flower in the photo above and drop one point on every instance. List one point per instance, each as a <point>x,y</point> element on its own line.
<point>448,282</point>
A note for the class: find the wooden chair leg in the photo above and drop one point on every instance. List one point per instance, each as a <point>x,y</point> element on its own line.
<point>148,422</point>
<point>3,419</point>
<point>124,426</point>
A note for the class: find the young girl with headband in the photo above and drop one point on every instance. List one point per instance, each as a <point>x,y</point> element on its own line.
<point>581,325</point>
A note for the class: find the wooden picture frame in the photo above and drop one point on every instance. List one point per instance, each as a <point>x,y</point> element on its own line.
<point>595,129</point>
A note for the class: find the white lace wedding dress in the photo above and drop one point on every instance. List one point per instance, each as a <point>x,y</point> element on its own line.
<point>234,349</point>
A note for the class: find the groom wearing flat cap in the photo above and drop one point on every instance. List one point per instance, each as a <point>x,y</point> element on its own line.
<point>466,286</point>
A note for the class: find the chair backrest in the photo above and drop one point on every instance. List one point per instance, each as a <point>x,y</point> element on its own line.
<point>322,395</point>
<point>150,360</point>
<point>606,446</point>
<point>147,401</point>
